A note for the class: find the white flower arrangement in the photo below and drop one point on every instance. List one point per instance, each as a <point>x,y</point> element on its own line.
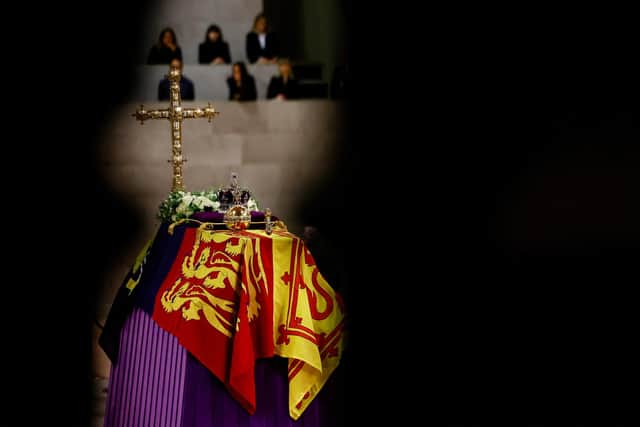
<point>180,204</point>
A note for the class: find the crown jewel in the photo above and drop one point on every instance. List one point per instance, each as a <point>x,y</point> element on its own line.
<point>234,203</point>
<point>233,195</point>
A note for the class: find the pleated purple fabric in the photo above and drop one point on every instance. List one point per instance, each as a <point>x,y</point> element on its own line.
<point>157,383</point>
<point>146,386</point>
<point>208,404</point>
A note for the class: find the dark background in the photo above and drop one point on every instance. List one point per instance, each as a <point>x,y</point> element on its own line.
<point>489,207</point>
<point>486,203</point>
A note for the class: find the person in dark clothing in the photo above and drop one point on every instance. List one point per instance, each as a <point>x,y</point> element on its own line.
<point>262,45</point>
<point>166,49</point>
<point>284,86</point>
<point>214,50</point>
<point>340,82</point>
<point>187,89</point>
<point>242,86</point>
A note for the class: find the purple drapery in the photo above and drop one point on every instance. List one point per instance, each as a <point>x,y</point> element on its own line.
<point>156,383</point>
<point>212,406</point>
<point>146,385</point>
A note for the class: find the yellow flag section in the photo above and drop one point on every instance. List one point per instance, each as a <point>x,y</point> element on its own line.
<point>136,270</point>
<point>308,320</point>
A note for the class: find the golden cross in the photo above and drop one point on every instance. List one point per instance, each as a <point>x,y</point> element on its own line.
<point>176,114</point>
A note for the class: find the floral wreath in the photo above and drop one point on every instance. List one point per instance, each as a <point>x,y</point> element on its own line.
<point>180,204</point>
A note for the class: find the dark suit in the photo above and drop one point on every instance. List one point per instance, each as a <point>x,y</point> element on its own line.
<point>246,92</point>
<point>187,90</point>
<point>163,55</point>
<point>255,51</point>
<point>208,51</point>
<point>278,87</point>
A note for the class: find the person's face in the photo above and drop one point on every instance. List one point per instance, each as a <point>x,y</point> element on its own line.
<point>261,25</point>
<point>176,63</point>
<point>285,70</point>
<point>213,36</point>
<point>167,39</point>
<point>237,75</point>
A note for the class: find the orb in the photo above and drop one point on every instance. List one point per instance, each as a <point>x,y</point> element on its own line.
<point>237,218</point>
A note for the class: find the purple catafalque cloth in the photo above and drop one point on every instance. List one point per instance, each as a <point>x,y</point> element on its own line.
<point>156,383</point>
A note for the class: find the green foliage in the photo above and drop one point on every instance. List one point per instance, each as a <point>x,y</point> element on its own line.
<point>180,205</point>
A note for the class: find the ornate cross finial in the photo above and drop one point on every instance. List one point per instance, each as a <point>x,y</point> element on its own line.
<point>235,189</point>
<point>176,114</point>
<point>234,180</point>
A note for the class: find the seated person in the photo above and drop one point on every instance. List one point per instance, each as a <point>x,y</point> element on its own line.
<point>242,86</point>
<point>187,90</point>
<point>284,86</point>
<point>262,45</point>
<point>166,49</point>
<point>214,50</point>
